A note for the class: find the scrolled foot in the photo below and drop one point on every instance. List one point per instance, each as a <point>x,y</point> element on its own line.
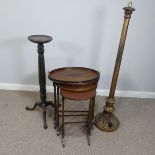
<point>35,105</point>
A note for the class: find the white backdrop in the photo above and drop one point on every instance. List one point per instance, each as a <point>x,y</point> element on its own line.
<point>85,33</point>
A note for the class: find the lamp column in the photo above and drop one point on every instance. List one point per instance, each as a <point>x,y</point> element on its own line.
<point>107,121</point>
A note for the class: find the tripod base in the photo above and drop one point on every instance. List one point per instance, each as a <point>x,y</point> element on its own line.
<point>43,106</point>
<point>106,122</point>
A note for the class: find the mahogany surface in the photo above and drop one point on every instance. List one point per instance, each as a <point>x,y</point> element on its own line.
<point>73,95</point>
<point>73,75</point>
<point>78,87</point>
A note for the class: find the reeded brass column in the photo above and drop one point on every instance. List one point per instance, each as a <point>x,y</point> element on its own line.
<point>106,120</point>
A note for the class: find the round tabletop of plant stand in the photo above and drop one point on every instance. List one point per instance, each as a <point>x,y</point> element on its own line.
<point>40,38</point>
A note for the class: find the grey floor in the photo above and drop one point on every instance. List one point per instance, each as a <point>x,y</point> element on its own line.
<point>22,133</point>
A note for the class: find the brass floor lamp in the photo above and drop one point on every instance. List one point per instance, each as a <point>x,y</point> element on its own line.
<point>106,120</point>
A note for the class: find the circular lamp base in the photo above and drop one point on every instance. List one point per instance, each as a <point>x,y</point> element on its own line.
<point>106,122</point>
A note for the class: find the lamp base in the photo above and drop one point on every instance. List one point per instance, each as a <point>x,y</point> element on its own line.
<point>106,122</point>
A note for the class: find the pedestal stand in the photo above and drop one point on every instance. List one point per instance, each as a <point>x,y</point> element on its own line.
<point>40,40</point>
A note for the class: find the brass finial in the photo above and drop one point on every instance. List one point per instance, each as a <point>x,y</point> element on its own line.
<point>130,4</point>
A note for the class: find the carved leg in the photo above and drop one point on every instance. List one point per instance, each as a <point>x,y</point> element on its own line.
<point>55,107</point>
<point>89,121</point>
<point>57,111</point>
<point>92,118</point>
<point>63,130</point>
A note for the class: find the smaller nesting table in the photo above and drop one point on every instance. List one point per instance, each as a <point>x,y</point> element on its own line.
<point>75,83</point>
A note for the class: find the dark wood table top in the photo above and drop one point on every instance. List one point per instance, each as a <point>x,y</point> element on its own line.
<point>73,75</point>
<point>39,38</point>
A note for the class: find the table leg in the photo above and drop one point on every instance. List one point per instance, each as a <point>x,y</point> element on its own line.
<point>63,124</point>
<point>57,113</point>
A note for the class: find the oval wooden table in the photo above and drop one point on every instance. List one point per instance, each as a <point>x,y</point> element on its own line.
<point>75,83</point>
